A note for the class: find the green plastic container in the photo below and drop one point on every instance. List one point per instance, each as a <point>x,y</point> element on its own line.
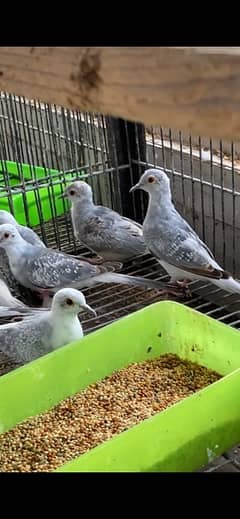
<point>185,436</point>
<point>45,197</point>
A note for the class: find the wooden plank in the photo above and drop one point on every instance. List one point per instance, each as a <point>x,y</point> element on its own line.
<point>193,89</point>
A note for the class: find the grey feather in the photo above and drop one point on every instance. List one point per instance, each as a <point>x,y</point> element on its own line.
<point>10,306</point>
<point>101,229</point>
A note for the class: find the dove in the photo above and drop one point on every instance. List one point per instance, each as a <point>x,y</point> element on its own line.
<point>172,240</point>
<point>102,230</point>
<point>45,271</point>
<point>36,336</point>
<point>27,234</point>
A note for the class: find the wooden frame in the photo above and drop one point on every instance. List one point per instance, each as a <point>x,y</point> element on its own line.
<point>195,89</point>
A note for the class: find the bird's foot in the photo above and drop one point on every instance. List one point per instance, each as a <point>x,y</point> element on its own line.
<point>184,285</point>
<point>98,260</point>
<point>173,291</point>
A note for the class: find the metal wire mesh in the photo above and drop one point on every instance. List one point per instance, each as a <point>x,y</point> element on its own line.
<point>112,154</point>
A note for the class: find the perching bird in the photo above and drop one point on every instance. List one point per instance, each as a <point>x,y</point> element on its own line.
<point>27,234</point>
<point>10,306</point>
<point>173,241</point>
<point>29,339</point>
<point>45,270</point>
<point>5,272</point>
<point>105,232</point>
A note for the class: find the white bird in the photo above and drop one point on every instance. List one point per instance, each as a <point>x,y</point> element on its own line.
<point>102,230</point>
<point>172,240</point>
<point>31,338</point>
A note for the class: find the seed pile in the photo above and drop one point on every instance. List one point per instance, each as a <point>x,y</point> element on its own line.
<point>106,408</point>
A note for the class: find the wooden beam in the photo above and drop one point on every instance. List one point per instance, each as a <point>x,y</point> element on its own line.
<point>193,89</point>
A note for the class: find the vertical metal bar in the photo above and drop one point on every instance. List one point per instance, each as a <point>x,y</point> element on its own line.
<point>222,204</point>
<point>202,194</point>
<point>213,198</point>
<point>182,170</point>
<point>233,211</point>
<point>125,135</point>
<point>191,173</point>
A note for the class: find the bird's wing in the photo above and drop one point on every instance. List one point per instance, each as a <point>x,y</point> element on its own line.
<point>186,227</point>
<point>186,252</point>
<point>24,340</point>
<point>105,230</point>
<point>30,236</point>
<point>53,269</point>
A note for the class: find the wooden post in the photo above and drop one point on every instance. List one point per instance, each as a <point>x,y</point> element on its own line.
<point>195,89</point>
<point>127,145</point>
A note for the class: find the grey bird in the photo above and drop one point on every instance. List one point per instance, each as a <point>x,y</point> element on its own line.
<point>173,241</point>
<point>103,231</point>
<point>45,270</point>
<point>27,234</point>
<point>38,335</point>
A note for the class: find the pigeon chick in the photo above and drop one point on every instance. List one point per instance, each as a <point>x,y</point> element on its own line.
<point>103,231</point>
<point>173,241</point>
<point>29,339</point>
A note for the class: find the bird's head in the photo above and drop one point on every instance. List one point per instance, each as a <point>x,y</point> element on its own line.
<point>78,191</point>
<point>153,180</point>
<point>71,301</point>
<point>9,235</point>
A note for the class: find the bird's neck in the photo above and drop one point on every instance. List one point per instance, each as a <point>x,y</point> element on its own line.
<point>83,204</point>
<point>61,316</point>
<point>15,250</point>
<point>159,201</point>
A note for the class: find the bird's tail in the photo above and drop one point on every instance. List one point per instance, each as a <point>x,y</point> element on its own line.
<point>230,285</point>
<point>19,311</point>
<point>123,279</point>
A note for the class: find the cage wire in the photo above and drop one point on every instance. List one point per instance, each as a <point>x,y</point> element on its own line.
<point>111,154</point>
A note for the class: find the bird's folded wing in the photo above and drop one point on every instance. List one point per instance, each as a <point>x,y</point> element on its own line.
<point>188,253</point>
<point>53,270</point>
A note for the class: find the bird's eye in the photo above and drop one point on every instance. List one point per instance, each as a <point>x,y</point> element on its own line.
<point>6,235</point>
<point>72,192</point>
<point>151,180</point>
<point>69,302</point>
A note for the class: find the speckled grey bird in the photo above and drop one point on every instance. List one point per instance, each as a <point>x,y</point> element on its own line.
<point>45,270</point>
<point>27,234</point>
<point>54,328</point>
<point>173,241</point>
<point>103,231</point>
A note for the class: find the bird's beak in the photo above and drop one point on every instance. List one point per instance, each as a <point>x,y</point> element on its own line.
<point>63,195</point>
<point>88,309</point>
<point>137,186</point>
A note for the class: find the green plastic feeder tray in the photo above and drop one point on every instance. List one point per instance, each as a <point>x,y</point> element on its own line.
<point>185,436</point>
<point>45,197</point>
